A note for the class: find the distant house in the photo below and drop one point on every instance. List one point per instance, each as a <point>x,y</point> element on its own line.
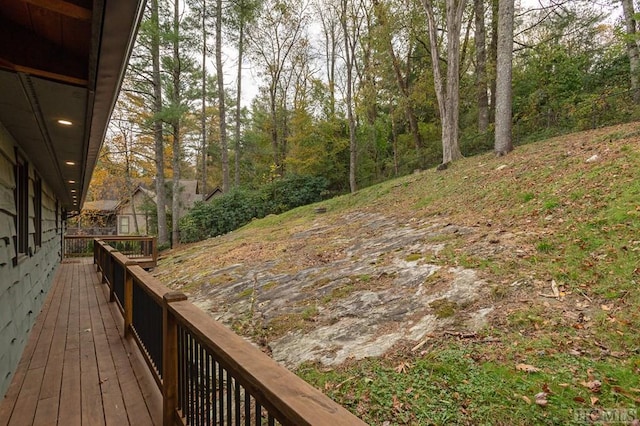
<point>133,218</point>
<point>96,218</point>
<point>213,194</point>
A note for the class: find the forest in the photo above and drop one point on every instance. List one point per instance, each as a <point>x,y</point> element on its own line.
<point>242,93</point>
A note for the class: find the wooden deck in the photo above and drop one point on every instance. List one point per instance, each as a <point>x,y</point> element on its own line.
<point>77,368</point>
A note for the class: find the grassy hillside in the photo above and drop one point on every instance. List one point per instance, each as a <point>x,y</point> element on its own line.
<point>553,232</point>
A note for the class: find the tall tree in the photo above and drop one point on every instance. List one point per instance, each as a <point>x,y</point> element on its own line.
<point>176,121</point>
<point>503,141</point>
<point>243,13</point>
<point>350,20</point>
<point>402,81</point>
<point>448,96</point>
<point>330,20</point>
<point>279,30</point>
<point>156,81</point>
<point>203,112</point>
<point>222,110</point>
<point>481,67</point>
<point>632,47</point>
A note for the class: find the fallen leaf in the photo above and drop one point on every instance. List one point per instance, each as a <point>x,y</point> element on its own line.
<point>403,367</point>
<point>605,307</point>
<point>545,388</point>
<point>541,399</point>
<point>564,385</point>
<point>554,288</point>
<point>593,385</point>
<point>526,399</point>
<point>527,368</point>
<point>594,400</point>
<point>579,399</point>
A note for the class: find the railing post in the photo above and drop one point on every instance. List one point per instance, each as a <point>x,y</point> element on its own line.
<point>128,298</point>
<point>170,359</point>
<point>154,248</point>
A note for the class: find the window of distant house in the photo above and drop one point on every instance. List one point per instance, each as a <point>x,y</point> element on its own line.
<point>21,196</point>
<point>37,207</point>
<point>124,225</point>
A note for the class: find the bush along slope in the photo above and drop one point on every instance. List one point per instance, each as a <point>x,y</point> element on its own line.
<point>239,206</point>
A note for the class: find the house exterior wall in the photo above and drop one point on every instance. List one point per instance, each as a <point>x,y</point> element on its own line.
<point>24,283</point>
<point>125,211</point>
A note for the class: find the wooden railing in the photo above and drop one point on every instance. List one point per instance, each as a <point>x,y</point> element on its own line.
<point>143,249</point>
<point>208,375</point>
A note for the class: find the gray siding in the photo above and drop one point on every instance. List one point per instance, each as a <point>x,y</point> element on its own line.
<point>23,287</point>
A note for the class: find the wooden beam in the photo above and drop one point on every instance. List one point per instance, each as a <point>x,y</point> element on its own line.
<point>64,8</point>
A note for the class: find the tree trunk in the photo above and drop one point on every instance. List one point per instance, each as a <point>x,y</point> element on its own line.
<point>348,57</point>
<point>175,205</point>
<point>448,97</point>
<point>203,117</point>
<point>493,56</point>
<point>161,195</point>
<point>401,82</point>
<point>481,68</point>
<point>632,47</point>
<point>503,141</point>
<point>238,101</point>
<point>221,103</point>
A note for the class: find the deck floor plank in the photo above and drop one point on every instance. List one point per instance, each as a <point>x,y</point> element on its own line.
<point>77,368</point>
<point>70,412</point>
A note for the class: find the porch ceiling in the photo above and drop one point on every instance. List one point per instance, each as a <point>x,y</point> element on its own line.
<point>63,60</point>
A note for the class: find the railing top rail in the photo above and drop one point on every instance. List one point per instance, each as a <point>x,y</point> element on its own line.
<point>111,237</point>
<point>150,284</point>
<point>284,392</point>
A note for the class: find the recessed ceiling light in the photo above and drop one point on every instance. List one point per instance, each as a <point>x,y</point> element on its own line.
<point>72,181</point>
<point>65,122</point>
<point>70,163</point>
<point>73,190</point>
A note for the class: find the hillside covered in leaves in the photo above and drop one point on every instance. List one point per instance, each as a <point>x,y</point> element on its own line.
<point>507,287</point>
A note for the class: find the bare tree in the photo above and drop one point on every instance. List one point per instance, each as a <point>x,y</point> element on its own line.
<point>351,21</point>
<point>222,113</point>
<point>503,141</point>
<point>448,96</point>
<point>279,29</point>
<point>401,82</point>
<point>632,47</point>
<point>481,67</point>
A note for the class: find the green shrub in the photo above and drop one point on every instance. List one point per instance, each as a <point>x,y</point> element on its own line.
<point>239,206</point>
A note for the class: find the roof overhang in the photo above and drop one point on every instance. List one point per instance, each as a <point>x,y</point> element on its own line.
<point>61,62</point>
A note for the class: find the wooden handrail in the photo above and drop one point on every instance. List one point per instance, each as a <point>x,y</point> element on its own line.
<point>291,399</point>
<point>286,397</point>
<point>144,250</point>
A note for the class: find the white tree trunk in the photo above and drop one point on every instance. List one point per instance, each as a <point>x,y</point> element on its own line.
<point>632,47</point>
<point>503,141</point>
<point>449,97</point>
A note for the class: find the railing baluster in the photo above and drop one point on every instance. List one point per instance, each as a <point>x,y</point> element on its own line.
<point>221,380</point>
<point>237,400</point>
<point>258,414</point>
<point>247,408</point>
<point>206,372</point>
